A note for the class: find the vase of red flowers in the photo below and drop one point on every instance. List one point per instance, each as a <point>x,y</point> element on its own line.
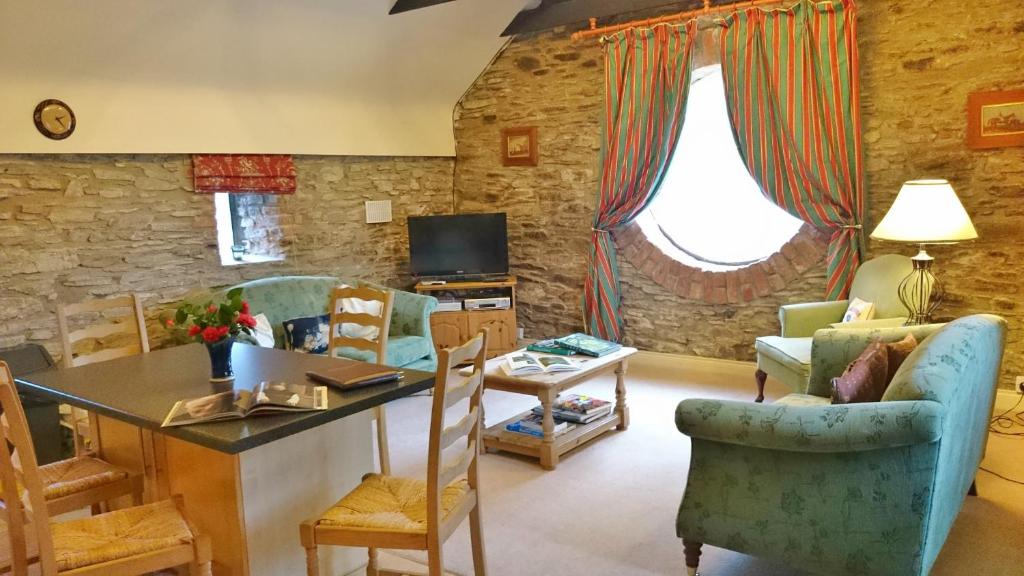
<point>216,326</point>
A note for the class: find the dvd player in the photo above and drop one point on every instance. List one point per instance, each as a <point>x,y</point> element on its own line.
<point>488,303</point>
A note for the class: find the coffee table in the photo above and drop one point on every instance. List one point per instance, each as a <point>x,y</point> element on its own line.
<point>546,387</point>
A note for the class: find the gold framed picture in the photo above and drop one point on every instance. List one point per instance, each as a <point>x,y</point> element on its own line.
<point>519,146</point>
<point>995,119</point>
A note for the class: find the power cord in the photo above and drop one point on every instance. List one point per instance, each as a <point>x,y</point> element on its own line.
<point>1001,423</point>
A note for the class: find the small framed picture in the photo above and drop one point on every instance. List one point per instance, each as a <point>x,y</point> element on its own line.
<point>519,146</point>
<point>995,119</point>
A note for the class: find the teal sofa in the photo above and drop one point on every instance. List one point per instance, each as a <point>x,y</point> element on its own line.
<point>855,489</point>
<point>283,298</point>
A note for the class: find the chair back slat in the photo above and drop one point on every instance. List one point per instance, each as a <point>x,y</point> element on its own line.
<point>132,324</point>
<point>458,465</point>
<point>453,433</point>
<point>340,318</point>
<point>438,475</point>
<point>464,389</point>
<point>25,506</point>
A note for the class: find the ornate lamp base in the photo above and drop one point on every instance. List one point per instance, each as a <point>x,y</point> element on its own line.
<point>921,292</point>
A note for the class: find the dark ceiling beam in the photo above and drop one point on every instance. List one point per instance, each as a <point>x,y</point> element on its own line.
<point>554,13</point>
<point>407,5</point>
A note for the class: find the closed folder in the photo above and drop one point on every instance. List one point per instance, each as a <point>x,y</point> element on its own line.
<point>355,375</point>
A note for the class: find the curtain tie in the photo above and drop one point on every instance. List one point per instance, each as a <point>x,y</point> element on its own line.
<point>852,226</point>
<point>599,230</point>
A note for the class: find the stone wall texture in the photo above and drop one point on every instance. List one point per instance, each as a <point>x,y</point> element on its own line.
<point>78,227</point>
<point>919,61</point>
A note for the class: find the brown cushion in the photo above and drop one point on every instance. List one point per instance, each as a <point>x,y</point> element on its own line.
<point>898,352</point>
<point>865,378</point>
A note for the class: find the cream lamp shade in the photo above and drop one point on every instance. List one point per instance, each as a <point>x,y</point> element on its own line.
<point>926,212</point>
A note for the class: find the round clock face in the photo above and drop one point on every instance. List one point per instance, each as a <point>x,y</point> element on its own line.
<point>54,119</point>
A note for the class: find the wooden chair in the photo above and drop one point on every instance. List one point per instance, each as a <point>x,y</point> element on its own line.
<point>378,346</point>
<point>85,479</point>
<point>135,540</point>
<point>132,330</point>
<point>389,512</point>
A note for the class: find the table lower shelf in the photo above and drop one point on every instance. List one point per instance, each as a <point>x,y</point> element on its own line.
<point>497,438</point>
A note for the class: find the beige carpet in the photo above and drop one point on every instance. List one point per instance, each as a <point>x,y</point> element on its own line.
<point>609,508</point>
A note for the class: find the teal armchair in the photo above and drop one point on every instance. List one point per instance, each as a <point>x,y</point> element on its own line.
<point>282,298</point>
<point>856,489</point>
<point>787,357</point>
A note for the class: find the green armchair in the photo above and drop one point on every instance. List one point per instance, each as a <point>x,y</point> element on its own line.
<point>787,357</point>
<point>854,489</point>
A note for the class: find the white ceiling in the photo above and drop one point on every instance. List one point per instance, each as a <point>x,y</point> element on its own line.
<point>270,76</point>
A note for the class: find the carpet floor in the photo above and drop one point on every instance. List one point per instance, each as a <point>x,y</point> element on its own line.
<point>609,507</point>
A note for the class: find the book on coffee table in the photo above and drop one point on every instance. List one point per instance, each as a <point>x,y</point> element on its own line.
<point>265,397</point>
<point>587,344</point>
<point>523,364</point>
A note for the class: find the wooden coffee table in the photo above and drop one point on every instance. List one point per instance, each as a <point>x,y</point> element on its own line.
<point>546,387</point>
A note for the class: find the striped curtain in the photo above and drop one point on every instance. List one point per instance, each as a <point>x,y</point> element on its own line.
<point>647,78</point>
<point>792,90</point>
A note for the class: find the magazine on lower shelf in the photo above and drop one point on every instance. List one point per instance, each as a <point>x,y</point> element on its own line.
<point>582,404</point>
<point>533,425</point>
<point>263,398</point>
<point>521,363</point>
<point>570,416</point>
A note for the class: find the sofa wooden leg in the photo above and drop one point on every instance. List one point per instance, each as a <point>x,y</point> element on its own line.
<point>760,376</point>
<point>691,550</point>
<point>973,490</point>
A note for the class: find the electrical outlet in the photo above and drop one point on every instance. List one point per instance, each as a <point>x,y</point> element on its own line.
<point>1020,384</point>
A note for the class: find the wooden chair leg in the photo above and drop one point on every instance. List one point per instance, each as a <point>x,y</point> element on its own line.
<point>760,376</point>
<point>691,550</point>
<point>372,568</point>
<point>201,564</point>
<point>307,536</point>
<point>435,559</point>
<point>476,538</point>
<point>382,440</point>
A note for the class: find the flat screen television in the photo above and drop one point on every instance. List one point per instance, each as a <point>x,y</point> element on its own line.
<point>461,245</point>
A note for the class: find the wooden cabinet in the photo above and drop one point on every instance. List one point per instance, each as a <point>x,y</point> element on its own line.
<point>455,327</point>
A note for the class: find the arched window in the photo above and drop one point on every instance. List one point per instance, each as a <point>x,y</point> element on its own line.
<point>709,213</point>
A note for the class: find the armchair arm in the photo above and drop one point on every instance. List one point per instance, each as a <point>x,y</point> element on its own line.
<point>832,350</point>
<point>839,428</point>
<point>801,320</point>
<point>411,314</point>
<point>875,323</point>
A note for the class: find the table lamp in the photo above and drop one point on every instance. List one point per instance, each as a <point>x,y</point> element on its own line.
<point>924,212</point>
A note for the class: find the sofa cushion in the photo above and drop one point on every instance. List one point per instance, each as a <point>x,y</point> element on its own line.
<point>865,378</point>
<point>794,353</point>
<point>898,352</point>
<point>310,334</point>
<point>802,400</point>
<point>402,350</point>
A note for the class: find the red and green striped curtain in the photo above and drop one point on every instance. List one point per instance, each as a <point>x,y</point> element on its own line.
<point>647,79</point>
<point>791,85</point>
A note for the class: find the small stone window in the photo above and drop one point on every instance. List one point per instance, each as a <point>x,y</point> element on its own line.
<point>248,228</point>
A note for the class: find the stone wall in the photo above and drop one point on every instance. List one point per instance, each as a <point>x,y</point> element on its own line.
<point>77,227</point>
<point>259,224</point>
<point>920,59</point>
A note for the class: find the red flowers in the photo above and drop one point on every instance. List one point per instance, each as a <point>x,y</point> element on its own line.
<point>212,334</point>
<point>210,322</point>
<point>245,319</point>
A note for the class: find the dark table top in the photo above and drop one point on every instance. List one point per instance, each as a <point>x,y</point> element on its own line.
<point>141,390</point>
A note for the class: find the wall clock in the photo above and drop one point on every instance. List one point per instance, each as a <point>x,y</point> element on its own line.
<point>54,119</point>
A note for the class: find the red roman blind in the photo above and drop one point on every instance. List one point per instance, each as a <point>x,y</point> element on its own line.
<point>244,173</point>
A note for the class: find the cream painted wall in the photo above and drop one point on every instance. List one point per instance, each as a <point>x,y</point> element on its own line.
<point>335,77</point>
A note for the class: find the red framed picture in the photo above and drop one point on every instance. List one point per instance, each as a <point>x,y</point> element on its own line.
<point>995,119</point>
<point>519,146</point>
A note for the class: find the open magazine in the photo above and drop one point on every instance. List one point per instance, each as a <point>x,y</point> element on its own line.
<point>521,363</point>
<point>265,397</point>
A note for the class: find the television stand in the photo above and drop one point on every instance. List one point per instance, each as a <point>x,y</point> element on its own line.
<point>452,328</point>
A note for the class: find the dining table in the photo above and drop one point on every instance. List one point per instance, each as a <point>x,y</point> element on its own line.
<point>247,483</point>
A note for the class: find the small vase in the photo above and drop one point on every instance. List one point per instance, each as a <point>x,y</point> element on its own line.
<point>220,360</point>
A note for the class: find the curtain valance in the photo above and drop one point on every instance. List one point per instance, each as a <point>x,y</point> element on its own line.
<point>244,173</point>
